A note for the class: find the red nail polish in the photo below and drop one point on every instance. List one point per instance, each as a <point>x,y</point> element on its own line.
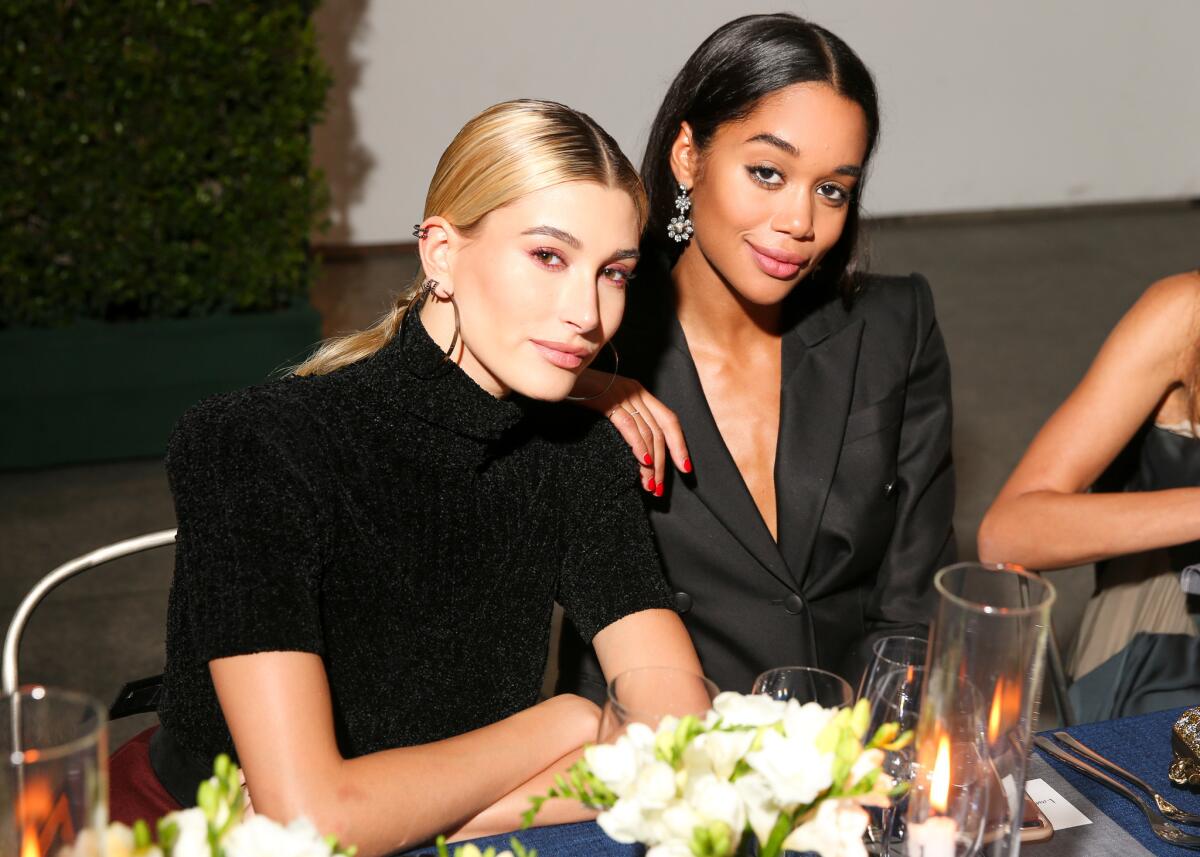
<point>658,490</point>
<point>650,485</point>
<point>687,465</point>
<point>647,460</point>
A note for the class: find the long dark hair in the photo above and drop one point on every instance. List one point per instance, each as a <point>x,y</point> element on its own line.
<point>723,81</point>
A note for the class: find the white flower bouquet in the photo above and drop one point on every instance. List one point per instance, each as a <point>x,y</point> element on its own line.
<point>793,777</point>
<point>220,826</point>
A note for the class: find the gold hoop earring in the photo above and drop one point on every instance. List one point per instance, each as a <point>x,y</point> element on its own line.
<point>612,380</point>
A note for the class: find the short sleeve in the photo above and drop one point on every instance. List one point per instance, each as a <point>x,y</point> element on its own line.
<point>611,567</point>
<point>248,551</point>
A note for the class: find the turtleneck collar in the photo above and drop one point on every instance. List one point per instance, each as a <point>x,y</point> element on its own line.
<point>443,394</point>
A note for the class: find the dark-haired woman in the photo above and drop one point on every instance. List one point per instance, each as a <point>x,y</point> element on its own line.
<point>815,492</point>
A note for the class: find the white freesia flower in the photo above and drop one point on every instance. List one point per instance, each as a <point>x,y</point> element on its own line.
<point>666,790</point>
<point>678,821</point>
<point>193,833</point>
<point>624,822</point>
<point>641,737</point>
<point>258,836</point>
<point>615,765</point>
<point>834,830</point>
<point>655,785</point>
<point>717,752</point>
<point>794,768</point>
<point>717,800</point>
<point>757,709</point>
<point>805,722</point>
<point>761,809</point>
<point>674,848</point>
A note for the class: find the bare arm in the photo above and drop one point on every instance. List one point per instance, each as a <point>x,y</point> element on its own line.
<point>279,711</point>
<point>645,638</point>
<point>1042,518</point>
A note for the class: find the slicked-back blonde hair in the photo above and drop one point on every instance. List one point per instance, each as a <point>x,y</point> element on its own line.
<point>506,152</point>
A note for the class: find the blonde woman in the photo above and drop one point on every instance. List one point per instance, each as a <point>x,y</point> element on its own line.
<point>1128,433</point>
<point>369,551</point>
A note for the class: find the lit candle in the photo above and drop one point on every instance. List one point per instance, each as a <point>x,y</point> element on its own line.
<point>937,835</point>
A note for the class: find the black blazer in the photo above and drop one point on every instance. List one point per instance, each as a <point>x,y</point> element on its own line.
<point>864,486</point>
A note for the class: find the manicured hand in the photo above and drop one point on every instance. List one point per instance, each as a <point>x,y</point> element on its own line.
<point>649,427</point>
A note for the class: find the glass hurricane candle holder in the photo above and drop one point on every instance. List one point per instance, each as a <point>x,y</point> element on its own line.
<point>54,784</point>
<point>986,649</point>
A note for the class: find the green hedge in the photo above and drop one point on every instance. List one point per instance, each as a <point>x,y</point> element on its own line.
<point>155,157</point>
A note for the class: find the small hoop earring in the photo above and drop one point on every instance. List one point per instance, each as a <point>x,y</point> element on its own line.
<point>612,380</point>
<point>417,301</point>
<point>680,228</point>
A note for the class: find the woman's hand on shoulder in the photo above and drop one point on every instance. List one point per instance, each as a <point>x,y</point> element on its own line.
<point>649,427</point>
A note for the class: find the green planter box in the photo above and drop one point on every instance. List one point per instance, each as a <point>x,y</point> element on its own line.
<point>95,391</point>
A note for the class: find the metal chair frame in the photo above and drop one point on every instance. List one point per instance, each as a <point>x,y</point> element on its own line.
<point>64,572</point>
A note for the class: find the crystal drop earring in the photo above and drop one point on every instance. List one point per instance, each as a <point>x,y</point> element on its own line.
<point>680,228</point>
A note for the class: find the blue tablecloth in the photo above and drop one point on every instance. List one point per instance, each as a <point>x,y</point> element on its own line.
<point>585,839</point>
<point>1141,745</point>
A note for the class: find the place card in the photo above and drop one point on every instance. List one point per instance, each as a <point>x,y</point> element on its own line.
<point>1057,809</point>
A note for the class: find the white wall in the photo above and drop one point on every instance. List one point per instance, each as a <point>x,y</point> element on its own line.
<point>995,105</point>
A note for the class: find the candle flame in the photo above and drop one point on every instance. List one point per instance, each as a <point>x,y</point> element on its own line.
<point>29,843</point>
<point>36,800</point>
<point>996,717</point>
<point>939,792</point>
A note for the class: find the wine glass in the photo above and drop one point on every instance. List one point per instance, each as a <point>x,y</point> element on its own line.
<point>648,694</point>
<point>894,697</point>
<point>892,653</point>
<point>805,684</point>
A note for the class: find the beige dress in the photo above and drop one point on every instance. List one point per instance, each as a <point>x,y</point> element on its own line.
<point>1134,594</point>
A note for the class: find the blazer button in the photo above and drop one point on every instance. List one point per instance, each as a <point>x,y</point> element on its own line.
<point>683,602</point>
<point>889,489</point>
<point>794,604</point>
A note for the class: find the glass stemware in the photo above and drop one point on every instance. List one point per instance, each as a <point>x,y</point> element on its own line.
<point>892,653</point>
<point>894,697</point>
<point>805,684</point>
<point>648,694</point>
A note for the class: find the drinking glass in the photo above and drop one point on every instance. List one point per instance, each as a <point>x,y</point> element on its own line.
<point>54,784</point>
<point>892,653</point>
<point>987,646</point>
<point>894,697</point>
<point>648,694</point>
<point>805,684</point>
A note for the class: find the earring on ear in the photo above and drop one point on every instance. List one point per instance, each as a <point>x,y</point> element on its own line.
<point>420,232</point>
<point>680,228</point>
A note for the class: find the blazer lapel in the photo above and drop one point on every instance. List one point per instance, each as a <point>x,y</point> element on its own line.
<point>819,362</point>
<point>716,481</point>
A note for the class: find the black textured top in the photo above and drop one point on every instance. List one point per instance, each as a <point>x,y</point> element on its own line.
<point>411,529</point>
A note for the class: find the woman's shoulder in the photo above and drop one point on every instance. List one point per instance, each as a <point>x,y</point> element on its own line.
<point>1164,324</point>
<point>891,307</point>
<point>891,294</point>
<point>242,425</point>
<point>1174,299</point>
<point>585,442</point>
